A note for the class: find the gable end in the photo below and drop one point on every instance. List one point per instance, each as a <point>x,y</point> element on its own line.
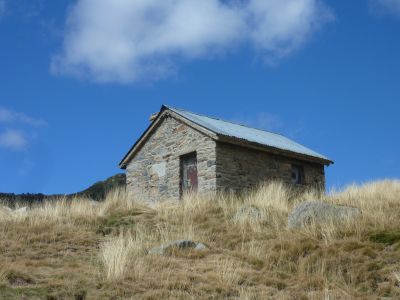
<point>164,113</point>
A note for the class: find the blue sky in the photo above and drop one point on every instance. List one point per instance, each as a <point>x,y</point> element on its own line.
<point>78,80</point>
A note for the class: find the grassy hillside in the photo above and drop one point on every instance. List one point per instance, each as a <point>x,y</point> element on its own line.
<point>81,250</point>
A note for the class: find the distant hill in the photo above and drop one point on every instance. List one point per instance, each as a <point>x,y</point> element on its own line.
<point>96,192</point>
<point>100,189</point>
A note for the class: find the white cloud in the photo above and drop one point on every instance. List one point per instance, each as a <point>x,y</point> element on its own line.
<point>22,128</point>
<point>10,116</point>
<point>2,7</point>
<point>273,123</point>
<point>13,139</point>
<point>262,120</point>
<point>125,40</point>
<point>281,27</point>
<point>385,7</point>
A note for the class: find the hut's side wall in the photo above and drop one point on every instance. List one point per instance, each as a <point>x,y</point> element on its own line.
<point>240,169</point>
<point>154,173</point>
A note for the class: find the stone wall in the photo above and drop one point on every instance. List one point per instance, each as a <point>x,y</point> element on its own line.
<point>154,172</point>
<point>240,169</point>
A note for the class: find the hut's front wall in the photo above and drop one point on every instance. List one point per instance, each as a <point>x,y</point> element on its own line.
<point>240,169</point>
<point>154,172</point>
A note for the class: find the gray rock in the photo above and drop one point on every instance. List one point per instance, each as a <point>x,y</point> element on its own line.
<point>178,244</point>
<point>200,246</point>
<point>249,211</point>
<point>319,212</point>
<point>21,209</point>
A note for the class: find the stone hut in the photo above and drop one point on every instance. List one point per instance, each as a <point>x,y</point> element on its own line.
<point>186,152</point>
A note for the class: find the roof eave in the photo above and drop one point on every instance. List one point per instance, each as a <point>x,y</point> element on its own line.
<point>271,149</point>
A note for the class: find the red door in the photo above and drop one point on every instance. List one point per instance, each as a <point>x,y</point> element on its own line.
<point>189,182</point>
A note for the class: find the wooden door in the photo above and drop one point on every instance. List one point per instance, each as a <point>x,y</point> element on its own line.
<point>189,180</point>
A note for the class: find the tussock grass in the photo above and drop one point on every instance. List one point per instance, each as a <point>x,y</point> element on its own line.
<point>119,254</point>
<point>77,249</point>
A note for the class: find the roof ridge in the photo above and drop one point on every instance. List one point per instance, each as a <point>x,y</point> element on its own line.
<point>219,119</point>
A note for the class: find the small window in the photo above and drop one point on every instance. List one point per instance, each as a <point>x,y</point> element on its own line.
<point>297,174</point>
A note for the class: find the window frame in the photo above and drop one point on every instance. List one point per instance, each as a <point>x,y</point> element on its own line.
<point>299,169</point>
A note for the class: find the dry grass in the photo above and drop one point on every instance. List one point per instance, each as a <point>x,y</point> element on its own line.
<point>84,250</point>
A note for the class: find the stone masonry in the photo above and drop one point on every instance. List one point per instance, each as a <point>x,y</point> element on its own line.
<point>240,169</point>
<point>154,172</point>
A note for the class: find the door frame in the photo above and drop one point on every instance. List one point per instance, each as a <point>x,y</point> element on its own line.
<point>182,159</point>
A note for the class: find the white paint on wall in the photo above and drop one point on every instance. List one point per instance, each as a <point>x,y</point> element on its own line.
<point>159,169</point>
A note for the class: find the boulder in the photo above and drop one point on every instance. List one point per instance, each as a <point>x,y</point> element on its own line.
<point>178,244</point>
<point>249,211</point>
<point>319,212</point>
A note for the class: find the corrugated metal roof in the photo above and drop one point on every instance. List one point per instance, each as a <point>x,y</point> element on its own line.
<point>262,137</point>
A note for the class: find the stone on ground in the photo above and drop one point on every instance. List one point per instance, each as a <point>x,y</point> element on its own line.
<point>248,211</point>
<point>21,209</point>
<point>308,212</point>
<point>177,244</point>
